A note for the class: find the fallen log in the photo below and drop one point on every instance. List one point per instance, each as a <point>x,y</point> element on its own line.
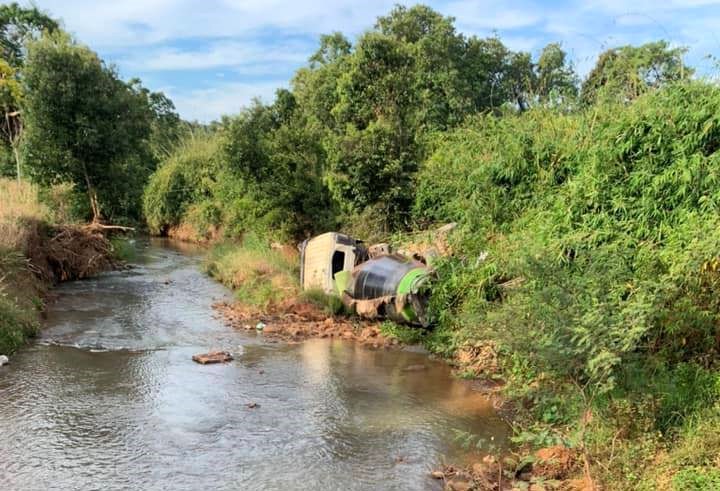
<point>98,227</point>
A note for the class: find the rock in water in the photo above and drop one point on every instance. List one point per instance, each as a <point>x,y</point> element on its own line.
<point>213,357</point>
<point>4,360</point>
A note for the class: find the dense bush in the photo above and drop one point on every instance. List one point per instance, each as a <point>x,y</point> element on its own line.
<point>610,218</point>
<point>187,177</point>
<point>279,158</point>
<point>493,168</point>
<point>601,235</point>
<point>260,172</point>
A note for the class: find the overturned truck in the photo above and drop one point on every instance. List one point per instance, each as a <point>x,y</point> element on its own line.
<point>373,282</point>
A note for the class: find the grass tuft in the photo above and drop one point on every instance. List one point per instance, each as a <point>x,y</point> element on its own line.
<point>262,276</point>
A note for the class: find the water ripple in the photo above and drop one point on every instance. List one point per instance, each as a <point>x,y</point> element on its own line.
<point>108,398</point>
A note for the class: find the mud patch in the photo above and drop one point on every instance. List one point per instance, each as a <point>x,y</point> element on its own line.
<point>478,359</point>
<point>298,321</point>
<point>551,468</point>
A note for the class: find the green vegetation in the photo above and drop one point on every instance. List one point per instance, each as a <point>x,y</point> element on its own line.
<point>599,234</point>
<point>262,276</point>
<point>19,289</point>
<point>623,74</point>
<point>182,189</point>
<point>404,334</point>
<point>94,136</point>
<point>330,304</point>
<point>586,252</point>
<point>19,302</point>
<point>342,147</point>
<point>17,26</point>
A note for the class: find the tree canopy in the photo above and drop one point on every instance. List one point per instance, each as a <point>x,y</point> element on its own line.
<point>85,125</point>
<point>622,74</point>
<point>17,26</point>
<point>11,96</point>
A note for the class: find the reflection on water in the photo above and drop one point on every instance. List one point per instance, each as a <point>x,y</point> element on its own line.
<point>108,398</point>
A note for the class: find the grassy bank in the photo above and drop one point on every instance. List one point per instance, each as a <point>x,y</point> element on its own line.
<point>262,277</point>
<point>20,301</point>
<point>20,290</point>
<point>36,252</point>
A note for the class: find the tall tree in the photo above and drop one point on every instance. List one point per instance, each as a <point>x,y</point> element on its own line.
<point>11,124</point>
<point>412,75</point>
<point>166,126</point>
<point>378,110</point>
<point>85,125</point>
<point>623,73</point>
<point>17,26</point>
<point>315,86</point>
<point>376,83</point>
<point>556,81</point>
<point>332,47</point>
<point>484,66</point>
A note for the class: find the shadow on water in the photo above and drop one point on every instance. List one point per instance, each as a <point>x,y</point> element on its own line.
<point>108,398</point>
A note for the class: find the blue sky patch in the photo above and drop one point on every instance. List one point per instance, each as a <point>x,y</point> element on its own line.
<point>213,57</point>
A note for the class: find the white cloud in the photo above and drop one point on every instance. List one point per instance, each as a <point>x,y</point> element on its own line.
<point>648,6</point>
<point>111,23</point>
<point>247,57</point>
<point>251,47</point>
<point>225,98</point>
<point>473,16</point>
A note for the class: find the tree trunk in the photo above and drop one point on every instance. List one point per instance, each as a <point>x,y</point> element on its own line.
<point>92,194</point>
<point>17,160</point>
<point>94,205</point>
<point>13,127</point>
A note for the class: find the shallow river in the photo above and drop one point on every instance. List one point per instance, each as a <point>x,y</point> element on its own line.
<point>108,398</point>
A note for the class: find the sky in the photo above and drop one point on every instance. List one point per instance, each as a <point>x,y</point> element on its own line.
<point>212,57</point>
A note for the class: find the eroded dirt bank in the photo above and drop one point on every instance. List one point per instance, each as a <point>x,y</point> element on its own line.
<point>36,256</point>
<point>551,468</point>
<point>67,252</point>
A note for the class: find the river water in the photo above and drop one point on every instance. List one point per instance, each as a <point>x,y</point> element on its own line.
<point>108,398</point>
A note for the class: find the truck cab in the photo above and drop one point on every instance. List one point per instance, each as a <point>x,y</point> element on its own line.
<point>322,257</point>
